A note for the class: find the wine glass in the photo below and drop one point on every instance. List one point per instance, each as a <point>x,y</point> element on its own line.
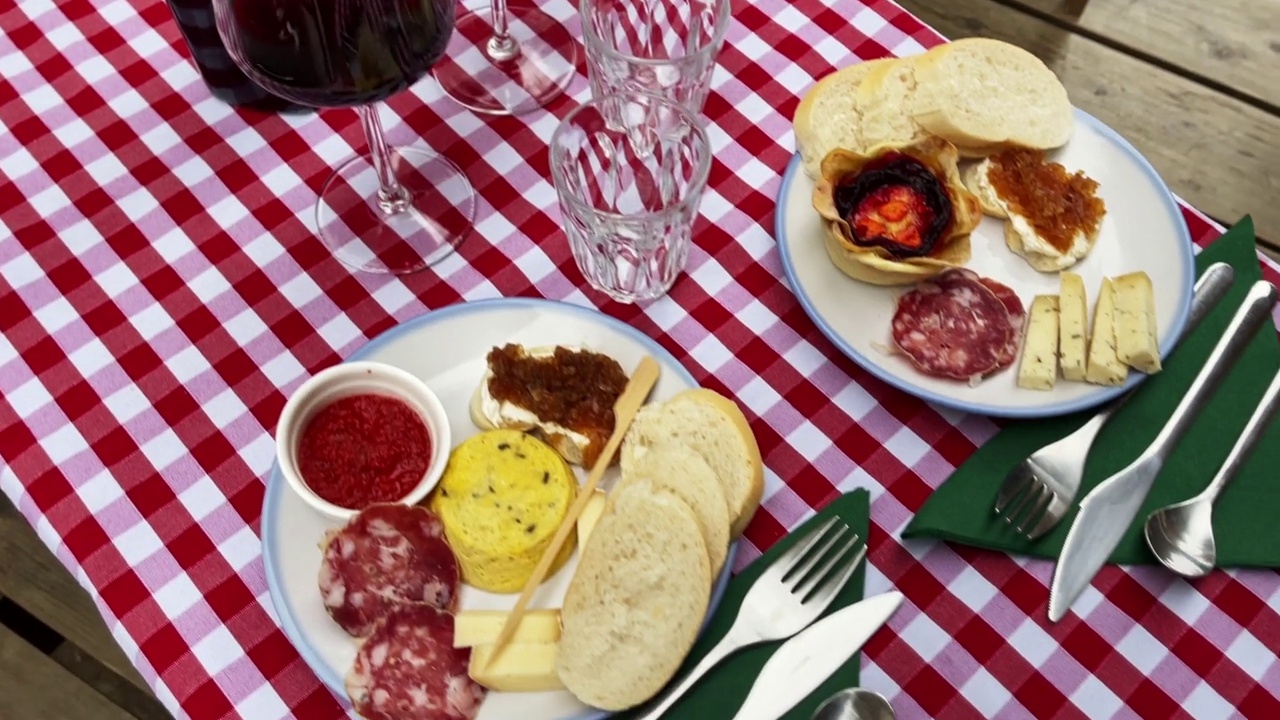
<point>525,58</point>
<point>395,210</point>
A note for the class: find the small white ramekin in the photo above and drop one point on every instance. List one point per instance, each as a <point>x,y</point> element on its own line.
<point>357,378</point>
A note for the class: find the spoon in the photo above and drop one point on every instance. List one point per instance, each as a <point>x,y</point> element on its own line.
<point>855,704</point>
<point>1181,535</point>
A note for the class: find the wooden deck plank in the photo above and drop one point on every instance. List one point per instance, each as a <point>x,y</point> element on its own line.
<point>136,702</point>
<point>1218,153</point>
<point>37,688</point>
<point>34,579</point>
<point>1231,43</point>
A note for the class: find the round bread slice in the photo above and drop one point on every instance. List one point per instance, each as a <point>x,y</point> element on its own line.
<point>636,601</point>
<point>977,152</point>
<point>676,469</point>
<point>1014,238</point>
<point>980,91</point>
<point>885,100</point>
<point>829,116</point>
<point>976,179</point>
<point>715,428</point>
<point>578,446</point>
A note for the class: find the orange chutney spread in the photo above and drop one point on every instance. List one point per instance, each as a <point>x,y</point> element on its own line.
<point>1058,204</point>
<point>572,388</point>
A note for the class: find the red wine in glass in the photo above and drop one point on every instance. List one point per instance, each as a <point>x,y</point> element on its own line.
<point>396,209</point>
<point>225,81</point>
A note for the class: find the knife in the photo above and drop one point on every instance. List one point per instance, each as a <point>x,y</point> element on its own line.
<point>1109,509</point>
<point>814,654</point>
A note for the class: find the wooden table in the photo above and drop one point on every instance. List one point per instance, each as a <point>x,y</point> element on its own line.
<point>1195,86</point>
<point>57,660</point>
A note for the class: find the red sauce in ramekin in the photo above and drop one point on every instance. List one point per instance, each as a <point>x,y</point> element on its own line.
<point>364,449</point>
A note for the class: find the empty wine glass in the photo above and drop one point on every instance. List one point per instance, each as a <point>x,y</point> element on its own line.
<point>395,210</point>
<point>517,59</point>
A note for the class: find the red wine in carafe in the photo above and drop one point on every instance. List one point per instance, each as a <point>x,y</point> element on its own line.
<point>340,53</point>
<point>226,82</point>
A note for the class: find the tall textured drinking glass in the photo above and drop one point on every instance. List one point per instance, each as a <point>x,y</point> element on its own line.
<point>393,209</point>
<point>629,170</point>
<point>666,47</point>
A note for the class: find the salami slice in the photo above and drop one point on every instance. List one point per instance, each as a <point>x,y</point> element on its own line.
<point>408,669</point>
<point>385,557</point>
<point>1006,296</point>
<point>1017,314</point>
<point>959,273</point>
<point>952,327</point>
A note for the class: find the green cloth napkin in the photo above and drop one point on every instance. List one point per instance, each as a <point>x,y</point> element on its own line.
<point>1245,516</point>
<point>720,693</point>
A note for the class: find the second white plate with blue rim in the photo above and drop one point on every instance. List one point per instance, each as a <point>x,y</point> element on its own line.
<point>1143,230</point>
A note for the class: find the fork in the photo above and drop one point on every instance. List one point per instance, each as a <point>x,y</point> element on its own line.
<point>787,597</point>
<point>1038,492</point>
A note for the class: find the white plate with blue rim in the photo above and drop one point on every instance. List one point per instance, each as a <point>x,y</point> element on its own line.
<point>446,349</point>
<point>1143,229</point>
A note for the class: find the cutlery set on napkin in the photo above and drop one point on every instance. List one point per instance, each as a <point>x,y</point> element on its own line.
<point>772,659</point>
<point>1206,415</point>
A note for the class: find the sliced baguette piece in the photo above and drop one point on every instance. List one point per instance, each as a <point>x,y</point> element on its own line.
<point>884,101</point>
<point>982,91</point>
<point>714,427</point>
<point>677,469</point>
<point>828,116</point>
<point>977,180</point>
<point>578,446</point>
<point>634,606</point>
<point>971,152</point>
<point>1022,237</point>
<point>571,445</point>
<point>1019,233</point>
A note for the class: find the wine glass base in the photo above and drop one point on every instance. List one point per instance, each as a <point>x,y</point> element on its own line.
<point>544,62</point>
<point>378,235</point>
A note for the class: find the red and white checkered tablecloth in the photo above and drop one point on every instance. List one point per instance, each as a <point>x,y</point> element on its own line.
<point>162,292</point>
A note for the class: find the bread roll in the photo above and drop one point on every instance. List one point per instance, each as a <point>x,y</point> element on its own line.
<point>676,469</point>
<point>636,601</point>
<point>981,91</point>
<point>884,98</point>
<point>829,116</point>
<point>981,95</point>
<point>713,427</point>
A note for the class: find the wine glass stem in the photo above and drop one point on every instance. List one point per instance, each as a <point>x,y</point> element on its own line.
<point>392,197</point>
<point>501,47</point>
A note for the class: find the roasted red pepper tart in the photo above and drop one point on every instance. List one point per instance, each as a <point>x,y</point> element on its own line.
<point>896,215</point>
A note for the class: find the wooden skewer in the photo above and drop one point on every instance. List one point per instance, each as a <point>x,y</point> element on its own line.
<point>624,411</point>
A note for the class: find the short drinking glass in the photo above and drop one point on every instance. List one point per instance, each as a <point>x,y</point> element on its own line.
<point>630,169</point>
<point>666,47</point>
